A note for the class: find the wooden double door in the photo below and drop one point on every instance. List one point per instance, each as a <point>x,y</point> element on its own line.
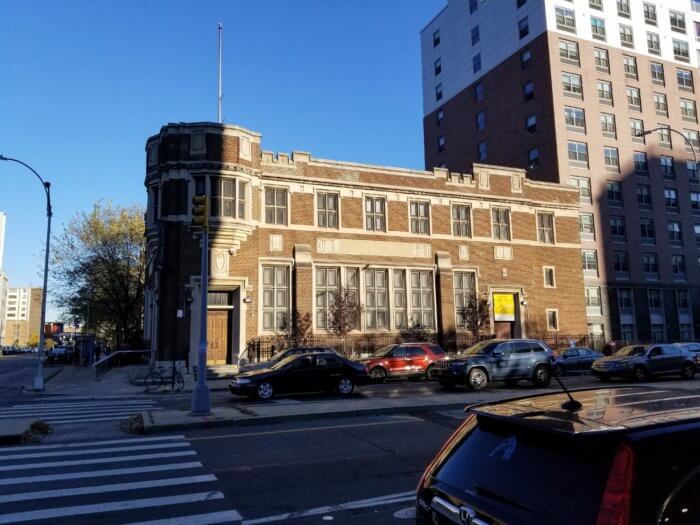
<point>218,336</point>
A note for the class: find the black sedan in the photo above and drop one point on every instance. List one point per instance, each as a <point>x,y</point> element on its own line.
<point>575,360</point>
<point>302,373</point>
<point>283,354</point>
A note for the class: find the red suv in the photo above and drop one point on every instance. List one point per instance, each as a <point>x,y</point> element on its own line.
<point>404,360</point>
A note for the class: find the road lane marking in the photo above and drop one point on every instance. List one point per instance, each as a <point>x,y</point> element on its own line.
<point>100,473</point>
<point>91,443</point>
<point>100,489</point>
<point>94,461</point>
<point>95,451</point>
<point>408,419</point>
<point>113,506</point>
<point>225,516</point>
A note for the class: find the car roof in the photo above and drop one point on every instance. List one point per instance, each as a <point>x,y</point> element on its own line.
<point>604,410</point>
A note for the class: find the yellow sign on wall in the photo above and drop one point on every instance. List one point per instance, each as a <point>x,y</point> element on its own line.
<point>503,307</point>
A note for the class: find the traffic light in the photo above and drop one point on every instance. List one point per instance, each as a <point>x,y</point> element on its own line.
<point>200,211</point>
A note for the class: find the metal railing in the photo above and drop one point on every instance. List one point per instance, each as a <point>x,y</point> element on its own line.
<point>120,358</point>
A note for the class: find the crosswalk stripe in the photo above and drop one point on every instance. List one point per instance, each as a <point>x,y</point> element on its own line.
<point>114,487</point>
<point>69,415</point>
<point>82,410</point>
<point>94,461</point>
<point>83,444</point>
<point>95,451</point>
<point>100,473</point>
<point>198,519</point>
<point>78,510</point>
<point>95,403</point>
<point>91,420</point>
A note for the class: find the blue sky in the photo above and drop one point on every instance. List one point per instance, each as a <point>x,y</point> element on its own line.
<point>83,84</point>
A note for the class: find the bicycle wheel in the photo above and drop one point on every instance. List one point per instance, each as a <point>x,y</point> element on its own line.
<point>153,381</point>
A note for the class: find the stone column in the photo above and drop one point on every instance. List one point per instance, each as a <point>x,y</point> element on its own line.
<point>302,296</point>
<point>445,297</point>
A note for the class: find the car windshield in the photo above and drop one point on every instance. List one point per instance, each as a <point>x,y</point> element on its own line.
<point>631,351</point>
<point>482,347</point>
<point>283,362</point>
<point>383,351</point>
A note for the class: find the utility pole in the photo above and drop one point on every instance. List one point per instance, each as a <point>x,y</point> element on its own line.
<point>220,94</point>
<point>201,398</point>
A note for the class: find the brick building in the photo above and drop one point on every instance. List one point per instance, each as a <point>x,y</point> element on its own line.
<point>563,89</point>
<point>287,231</point>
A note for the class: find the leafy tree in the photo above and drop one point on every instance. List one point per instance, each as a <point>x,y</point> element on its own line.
<point>476,316</point>
<point>98,264</point>
<point>33,341</point>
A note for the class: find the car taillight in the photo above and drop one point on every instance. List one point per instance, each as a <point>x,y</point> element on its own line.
<point>617,498</point>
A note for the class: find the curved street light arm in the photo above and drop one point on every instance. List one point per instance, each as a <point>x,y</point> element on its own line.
<point>692,148</point>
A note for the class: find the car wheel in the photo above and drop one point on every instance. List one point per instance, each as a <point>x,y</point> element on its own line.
<point>429,375</point>
<point>378,374</point>
<point>639,373</point>
<point>264,391</point>
<point>511,382</point>
<point>688,371</point>
<point>346,386</point>
<point>477,379</point>
<point>542,376</point>
<point>559,371</point>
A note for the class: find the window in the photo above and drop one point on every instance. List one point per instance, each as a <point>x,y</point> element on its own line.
<point>589,261</point>
<point>685,79</point>
<point>617,227</point>
<point>228,197</point>
<point>626,37</point>
<point>630,66</point>
<point>438,92</point>
<point>660,104</point>
<point>523,28</point>
<point>647,231</point>
<point>607,125</point>
<point>596,4</point>
<point>696,230</point>
<point>437,67</point>
<point>671,198</point>
<point>566,19</point>
<point>275,206</point>
<point>621,262</point>
<point>473,5</point>
<point>593,303</point>
<point>586,226</point>
<point>375,214</point>
<point>422,299</point>
<point>623,8</point>
<point>479,92</point>
<point>525,58</point>
<point>571,84</point>
<point>568,51</point>
<point>500,219</point>
<point>678,266</point>
<point>598,28</point>
<point>545,228</point>
<point>475,35</point>
<point>683,299</point>
<point>650,14</point>
<point>653,43</point>
<point>692,140</point>
<point>664,134</point>
<point>436,38</point>
<point>612,160</point>
<point>624,298</point>
<point>634,101</point>
<point>441,143</point>
<point>376,300</point>
<point>688,110</point>
<point>614,193</point>
<point>667,167</point>
<point>692,168</point>
<point>529,91</point>
<point>680,50</point>
<point>476,63</point>
<point>480,121</point>
<point>675,235</point>
<point>644,196</point>
<point>654,297</point>
<point>275,298</point>
<point>601,59</point>
<point>461,220</point>
<point>327,210</point>
<point>657,73</point>
<point>531,124</point>
<point>578,154</point>
<point>552,320</point>
<point>420,217</point>
<point>584,188</point>
<point>327,284</point>
<point>677,21</point>
<point>440,115</point>
<point>575,119</point>
<point>637,130</point>
<point>465,294</point>
<point>695,201</point>
<point>481,151</point>
<point>533,158</point>
<point>400,319</point>
<point>549,277</point>
<point>605,92</point>
<point>651,264</point>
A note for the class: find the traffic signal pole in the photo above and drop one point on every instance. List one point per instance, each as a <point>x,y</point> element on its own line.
<point>201,398</point>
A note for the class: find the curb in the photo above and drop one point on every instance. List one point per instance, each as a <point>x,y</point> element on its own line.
<point>264,420</point>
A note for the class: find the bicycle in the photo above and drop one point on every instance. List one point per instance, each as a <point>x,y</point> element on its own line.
<point>158,379</point>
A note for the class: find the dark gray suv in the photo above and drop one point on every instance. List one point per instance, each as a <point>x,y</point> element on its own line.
<point>641,362</point>
<point>497,360</point>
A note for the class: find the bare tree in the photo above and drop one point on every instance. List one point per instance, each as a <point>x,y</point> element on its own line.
<point>345,312</point>
<point>476,316</point>
<point>299,332</point>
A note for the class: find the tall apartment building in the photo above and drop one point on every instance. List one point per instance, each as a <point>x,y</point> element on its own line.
<point>564,89</point>
<point>287,231</point>
<point>22,316</point>
<point>3,277</point>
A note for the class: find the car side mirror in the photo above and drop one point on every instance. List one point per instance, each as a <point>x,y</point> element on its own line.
<point>497,353</point>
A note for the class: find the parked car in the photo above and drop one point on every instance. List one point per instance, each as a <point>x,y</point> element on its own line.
<point>60,354</point>
<point>301,373</point>
<point>509,360</point>
<point>693,349</point>
<point>640,362</point>
<point>627,457</point>
<point>575,360</point>
<point>283,354</point>
<point>404,360</point>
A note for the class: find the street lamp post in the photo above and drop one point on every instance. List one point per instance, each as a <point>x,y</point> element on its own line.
<point>692,148</point>
<point>39,377</point>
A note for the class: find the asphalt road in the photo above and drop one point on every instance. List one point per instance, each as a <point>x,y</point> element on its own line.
<point>17,371</point>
